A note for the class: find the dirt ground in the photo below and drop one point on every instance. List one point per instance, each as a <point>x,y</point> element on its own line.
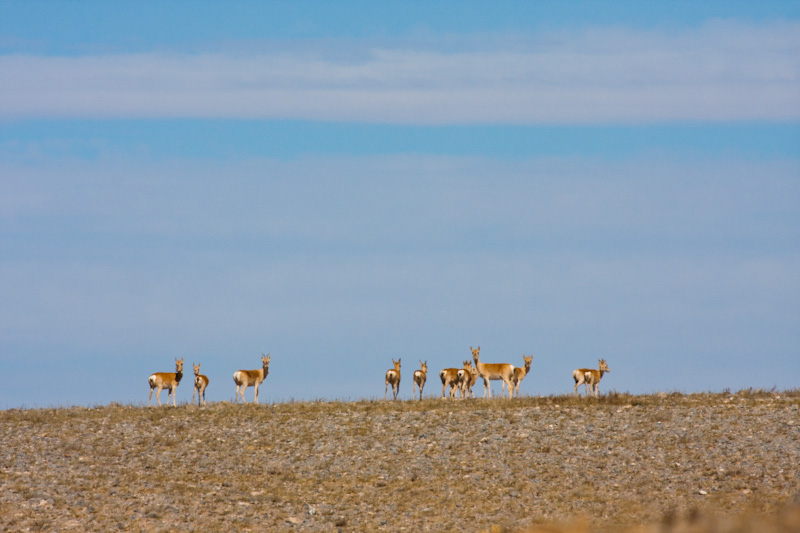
<point>668,462</point>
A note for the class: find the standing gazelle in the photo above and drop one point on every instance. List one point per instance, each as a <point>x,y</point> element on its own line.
<point>492,371</point>
<point>393,379</point>
<point>420,377</point>
<point>200,384</point>
<point>251,378</point>
<point>519,374</point>
<point>166,380</point>
<point>590,378</point>
<point>467,376</point>
<point>451,377</point>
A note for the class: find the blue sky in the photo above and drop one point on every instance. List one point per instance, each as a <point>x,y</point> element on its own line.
<point>340,184</point>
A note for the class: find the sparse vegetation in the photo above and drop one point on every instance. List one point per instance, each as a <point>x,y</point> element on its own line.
<point>664,462</point>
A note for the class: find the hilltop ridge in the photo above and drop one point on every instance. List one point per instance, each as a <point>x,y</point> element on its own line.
<point>429,465</point>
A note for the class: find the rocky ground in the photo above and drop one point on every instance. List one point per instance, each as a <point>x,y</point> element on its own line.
<point>543,464</point>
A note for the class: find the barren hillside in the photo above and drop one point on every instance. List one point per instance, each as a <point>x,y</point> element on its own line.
<point>436,465</point>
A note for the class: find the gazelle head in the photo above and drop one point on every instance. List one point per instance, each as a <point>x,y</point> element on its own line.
<point>396,364</point>
<point>196,369</point>
<point>528,359</point>
<point>265,361</point>
<point>476,352</point>
<point>179,365</point>
<point>603,366</point>
<point>423,366</point>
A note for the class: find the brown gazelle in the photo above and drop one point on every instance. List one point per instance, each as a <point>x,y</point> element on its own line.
<point>467,376</point>
<point>471,379</point>
<point>519,374</point>
<point>493,371</point>
<point>393,379</point>
<point>251,378</point>
<point>590,378</point>
<point>200,384</point>
<point>420,377</point>
<point>451,377</point>
<point>166,380</point>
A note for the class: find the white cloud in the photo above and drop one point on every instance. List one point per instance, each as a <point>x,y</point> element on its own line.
<point>721,71</point>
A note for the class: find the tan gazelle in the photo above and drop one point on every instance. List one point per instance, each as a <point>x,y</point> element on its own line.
<point>519,373</point>
<point>590,378</point>
<point>166,380</point>
<point>451,377</point>
<point>420,377</point>
<point>251,378</point>
<point>493,371</point>
<point>393,379</point>
<point>200,384</point>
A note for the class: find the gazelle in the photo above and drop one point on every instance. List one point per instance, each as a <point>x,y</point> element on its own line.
<point>493,371</point>
<point>451,377</point>
<point>467,376</point>
<point>393,379</point>
<point>420,377</point>
<point>590,378</point>
<point>251,378</point>
<point>519,374</point>
<point>200,384</point>
<point>166,380</point>
<point>473,378</point>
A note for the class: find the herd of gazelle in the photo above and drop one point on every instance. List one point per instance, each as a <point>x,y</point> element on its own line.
<point>242,378</point>
<point>460,380</point>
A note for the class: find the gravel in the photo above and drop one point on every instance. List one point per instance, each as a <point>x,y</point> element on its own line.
<point>431,465</point>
